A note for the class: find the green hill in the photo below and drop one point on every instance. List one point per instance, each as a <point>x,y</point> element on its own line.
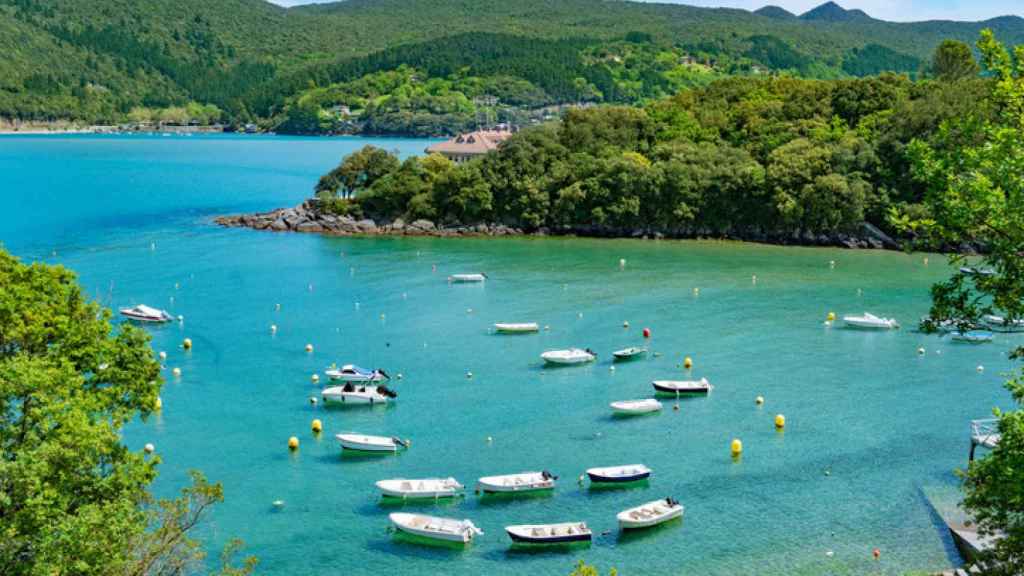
<point>99,60</point>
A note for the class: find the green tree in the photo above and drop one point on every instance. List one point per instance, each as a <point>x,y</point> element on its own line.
<point>953,60</point>
<point>358,171</point>
<point>73,498</point>
<point>975,182</point>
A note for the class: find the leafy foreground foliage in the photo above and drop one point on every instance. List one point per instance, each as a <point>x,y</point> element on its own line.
<point>741,157</point>
<point>97,60</point>
<point>975,176</point>
<point>584,569</point>
<point>73,498</point>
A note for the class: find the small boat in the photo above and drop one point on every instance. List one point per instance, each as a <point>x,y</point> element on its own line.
<point>570,356</point>
<point>971,271</point>
<point>630,353</point>
<point>993,320</point>
<point>353,373</point>
<point>448,529</point>
<point>353,394</point>
<point>635,407</point>
<point>676,387</point>
<point>143,313</point>
<point>522,482</point>
<point>463,278</point>
<point>627,473</point>
<point>929,323</point>
<point>650,514</point>
<point>870,321</point>
<point>364,443</point>
<point>972,336</point>
<point>420,488</point>
<point>513,328</point>
<point>564,533</point>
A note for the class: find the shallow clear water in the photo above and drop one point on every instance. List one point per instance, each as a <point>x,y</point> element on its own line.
<point>870,425</point>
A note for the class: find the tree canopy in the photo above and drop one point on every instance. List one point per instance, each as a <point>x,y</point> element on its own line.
<point>73,498</point>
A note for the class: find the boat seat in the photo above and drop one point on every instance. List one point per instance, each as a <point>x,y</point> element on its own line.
<point>406,486</point>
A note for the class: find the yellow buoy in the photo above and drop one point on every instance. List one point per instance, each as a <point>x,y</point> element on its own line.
<point>293,443</point>
<point>687,363</point>
<point>831,317</point>
<point>780,421</point>
<point>176,372</point>
<point>759,400</point>
<point>736,447</point>
<point>309,348</point>
<point>315,378</point>
<point>186,343</point>
<point>159,404</point>
<point>317,426</point>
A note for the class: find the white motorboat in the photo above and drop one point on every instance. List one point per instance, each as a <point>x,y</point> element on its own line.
<point>971,271</point>
<point>420,488</point>
<point>516,328</point>
<point>972,336</point>
<point>635,407</point>
<point>353,373</point>
<point>612,474</point>
<point>143,313</point>
<point>522,482</point>
<point>630,353</point>
<point>650,514</point>
<point>570,356</point>
<point>464,278</point>
<point>993,320</point>
<point>448,529</point>
<point>679,387</point>
<point>564,533</point>
<point>358,394</point>
<point>364,443</point>
<point>870,321</point>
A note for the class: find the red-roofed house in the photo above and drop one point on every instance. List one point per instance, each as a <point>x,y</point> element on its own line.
<point>466,146</point>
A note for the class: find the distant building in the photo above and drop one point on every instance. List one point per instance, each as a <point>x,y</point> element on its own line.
<point>467,146</point>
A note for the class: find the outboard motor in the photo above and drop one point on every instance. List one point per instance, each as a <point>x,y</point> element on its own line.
<point>382,373</point>
<point>548,475</point>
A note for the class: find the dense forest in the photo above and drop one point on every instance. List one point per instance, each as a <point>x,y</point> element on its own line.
<point>98,61</point>
<point>755,158</point>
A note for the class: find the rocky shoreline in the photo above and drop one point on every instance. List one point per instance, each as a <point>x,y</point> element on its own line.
<point>307,217</point>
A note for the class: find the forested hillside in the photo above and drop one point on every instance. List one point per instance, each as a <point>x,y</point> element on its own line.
<point>98,61</point>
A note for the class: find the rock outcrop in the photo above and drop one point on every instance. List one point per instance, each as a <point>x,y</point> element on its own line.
<point>308,217</point>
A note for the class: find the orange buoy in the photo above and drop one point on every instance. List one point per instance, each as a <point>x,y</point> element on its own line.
<point>647,332</point>
<point>876,552</point>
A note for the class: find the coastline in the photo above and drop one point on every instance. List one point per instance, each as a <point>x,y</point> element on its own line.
<point>308,218</point>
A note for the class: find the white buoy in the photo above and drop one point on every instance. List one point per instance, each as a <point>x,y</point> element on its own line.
<point>312,400</point>
<point>980,368</point>
<point>382,316</point>
<point>357,305</point>
<point>177,286</point>
<point>490,439</point>
<point>753,279</point>
<point>696,291</point>
<point>625,324</point>
<point>547,327</point>
<point>309,348</point>
<point>273,328</point>
<point>622,262</point>
<point>176,372</point>
<point>278,504</point>
<point>469,310</point>
<point>921,351</point>
<point>152,245</point>
<point>469,374</point>
<point>277,307</point>
<point>181,318</point>
<point>399,376</point>
<point>611,368</point>
<point>163,355</point>
<point>831,263</point>
<point>580,315</point>
<point>149,448</point>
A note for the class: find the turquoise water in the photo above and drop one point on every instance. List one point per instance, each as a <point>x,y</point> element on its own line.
<point>870,423</point>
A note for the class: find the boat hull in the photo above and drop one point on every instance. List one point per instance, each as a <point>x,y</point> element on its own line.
<point>626,523</point>
<point>628,354</point>
<point>516,328</point>
<point>635,409</point>
<point>366,444</point>
<point>594,477</point>
<point>405,523</point>
<point>350,398</point>
<point>394,489</point>
<point>664,389</point>
<point>519,538</point>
